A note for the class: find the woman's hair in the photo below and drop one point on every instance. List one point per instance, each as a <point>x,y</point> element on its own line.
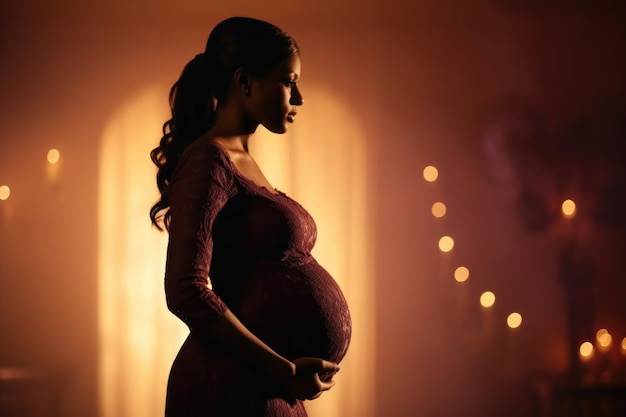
<point>239,42</point>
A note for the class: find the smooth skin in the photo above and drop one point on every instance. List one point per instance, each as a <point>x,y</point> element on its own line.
<point>270,101</point>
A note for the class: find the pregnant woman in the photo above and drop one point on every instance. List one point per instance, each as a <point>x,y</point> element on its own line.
<point>268,325</point>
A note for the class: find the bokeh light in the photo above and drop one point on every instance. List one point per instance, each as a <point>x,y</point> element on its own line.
<point>488,299</point>
<point>431,173</point>
<point>623,349</point>
<point>5,192</point>
<point>514,320</point>
<point>586,351</point>
<point>604,339</point>
<point>446,243</point>
<point>438,209</point>
<point>568,208</point>
<point>53,156</point>
<point>461,274</point>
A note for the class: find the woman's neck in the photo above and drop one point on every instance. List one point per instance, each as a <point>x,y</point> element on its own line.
<point>231,129</point>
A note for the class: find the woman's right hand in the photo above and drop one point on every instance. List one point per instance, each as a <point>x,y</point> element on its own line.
<point>303,378</point>
<point>305,382</point>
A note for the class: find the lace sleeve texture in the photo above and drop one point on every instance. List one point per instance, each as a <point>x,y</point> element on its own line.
<point>200,187</point>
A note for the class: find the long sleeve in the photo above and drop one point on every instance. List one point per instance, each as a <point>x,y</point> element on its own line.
<point>200,187</point>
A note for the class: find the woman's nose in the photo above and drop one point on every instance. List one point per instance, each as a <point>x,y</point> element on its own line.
<point>296,97</point>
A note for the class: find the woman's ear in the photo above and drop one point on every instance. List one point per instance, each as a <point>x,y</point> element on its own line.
<point>242,81</point>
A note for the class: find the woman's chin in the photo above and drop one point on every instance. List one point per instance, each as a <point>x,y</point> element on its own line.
<point>279,129</point>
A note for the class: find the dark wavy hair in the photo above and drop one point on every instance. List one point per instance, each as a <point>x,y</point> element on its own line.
<point>239,42</point>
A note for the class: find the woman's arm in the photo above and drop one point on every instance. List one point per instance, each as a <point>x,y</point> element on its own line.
<point>300,377</point>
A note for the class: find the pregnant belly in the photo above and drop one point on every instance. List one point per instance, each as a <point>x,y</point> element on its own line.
<point>298,311</point>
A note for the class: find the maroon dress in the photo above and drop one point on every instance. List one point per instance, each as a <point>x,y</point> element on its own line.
<point>255,246</point>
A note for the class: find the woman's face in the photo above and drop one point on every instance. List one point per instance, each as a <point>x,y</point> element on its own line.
<point>274,98</point>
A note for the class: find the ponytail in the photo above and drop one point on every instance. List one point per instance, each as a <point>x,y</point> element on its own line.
<point>191,104</point>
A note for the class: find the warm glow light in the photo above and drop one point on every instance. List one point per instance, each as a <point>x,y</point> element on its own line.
<point>138,336</point>
<point>623,349</point>
<point>488,299</point>
<point>514,320</point>
<point>446,243</point>
<point>604,340</point>
<point>439,209</point>
<point>53,156</point>
<point>431,173</point>
<point>586,351</point>
<point>461,274</point>
<point>5,192</point>
<point>568,208</point>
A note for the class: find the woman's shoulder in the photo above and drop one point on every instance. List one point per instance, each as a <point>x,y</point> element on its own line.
<point>204,155</point>
<point>203,160</point>
<point>207,151</point>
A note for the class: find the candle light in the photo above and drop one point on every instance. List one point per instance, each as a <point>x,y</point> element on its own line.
<point>438,209</point>
<point>568,208</point>
<point>461,275</point>
<point>52,170</point>
<point>446,243</point>
<point>53,156</point>
<point>514,321</point>
<point>5,192</point>
<point>430,173</point>
<point>487,301</point>
<point>586,351</point>
<point>7,209</point>
<point>604,340</point>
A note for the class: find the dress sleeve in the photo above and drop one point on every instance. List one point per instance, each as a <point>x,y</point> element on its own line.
<point>199,189</point>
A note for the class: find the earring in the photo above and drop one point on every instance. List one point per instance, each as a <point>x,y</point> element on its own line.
<point>246,91</point>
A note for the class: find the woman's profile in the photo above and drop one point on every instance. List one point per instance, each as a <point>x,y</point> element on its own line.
<point>268,324</point>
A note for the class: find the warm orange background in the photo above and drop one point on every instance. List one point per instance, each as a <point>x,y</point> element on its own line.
<point>420,78</point>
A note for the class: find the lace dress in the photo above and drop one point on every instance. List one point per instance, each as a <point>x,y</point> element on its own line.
<point>256,247</point>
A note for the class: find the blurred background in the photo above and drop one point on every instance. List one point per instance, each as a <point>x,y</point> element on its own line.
<point>497,125</point>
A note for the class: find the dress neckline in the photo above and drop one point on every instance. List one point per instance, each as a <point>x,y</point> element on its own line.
<point>238,174</point>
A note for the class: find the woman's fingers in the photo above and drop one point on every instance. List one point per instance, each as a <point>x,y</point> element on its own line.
<point>327,366</point>
<point>316,365</point>
<point>325,386</point>
<point>308,371</point>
